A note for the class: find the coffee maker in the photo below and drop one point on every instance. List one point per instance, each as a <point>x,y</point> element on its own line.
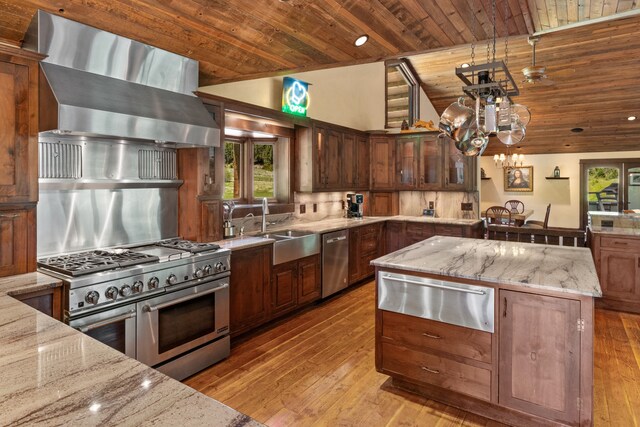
<point>355,203</point>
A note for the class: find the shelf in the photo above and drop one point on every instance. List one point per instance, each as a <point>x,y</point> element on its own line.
<point>485,177</point>
<point>560,177</point>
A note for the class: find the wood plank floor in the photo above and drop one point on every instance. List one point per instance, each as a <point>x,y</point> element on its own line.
<point>317,368</point>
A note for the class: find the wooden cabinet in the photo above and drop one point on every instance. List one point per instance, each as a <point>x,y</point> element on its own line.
<point>617,260</point>
<point>459,169</point>
<point>400,234</point>
<point>417,232</point>
<point>394,239</point>
<point>407,149</point>
<point>211,221</point>
<point>331,158</point>
<point>17,241</point>
<point>284,287</point>
<point>249,288</point>
<point>384,203</point>
<point>48,301</point>
<point>540,355</point>
<point>382,163</point>
<point>309,283</point>
<point>431,165</point>
<point>364,246</point>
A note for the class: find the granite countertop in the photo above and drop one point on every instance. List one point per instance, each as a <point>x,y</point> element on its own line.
<point>620,231</point>
<point>244,242</point>
<point>551,268</point>
<point>55,375</point>
<point>427,219</point>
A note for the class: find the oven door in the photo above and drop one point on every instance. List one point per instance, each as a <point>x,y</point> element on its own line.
<point>176,322</point>
<point>115,327</point>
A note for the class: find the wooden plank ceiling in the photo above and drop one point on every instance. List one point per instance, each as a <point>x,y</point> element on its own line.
<point>246,39</point>
<point>595,85</point>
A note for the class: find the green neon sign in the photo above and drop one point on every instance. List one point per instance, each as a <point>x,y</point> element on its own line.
<point>295,97</point>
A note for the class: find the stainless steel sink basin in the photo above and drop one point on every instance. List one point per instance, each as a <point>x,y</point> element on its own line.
<point>290,245</point>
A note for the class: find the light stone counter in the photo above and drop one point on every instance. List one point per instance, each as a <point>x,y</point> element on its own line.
<point>244,242</point>
<point>552,268</point>
<point>52,374</point>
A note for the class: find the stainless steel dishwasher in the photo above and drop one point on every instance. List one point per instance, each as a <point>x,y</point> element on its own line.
<point>335,262</point>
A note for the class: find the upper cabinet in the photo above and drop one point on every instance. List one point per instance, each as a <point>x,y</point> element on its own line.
<point>18,126</point>
<point>331,158</point>
<point>419,162</point>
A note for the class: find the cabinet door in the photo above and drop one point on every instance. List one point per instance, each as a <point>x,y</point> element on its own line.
<point>363,163</point>
<point>250,296</point>
<point>15,235</point>
<point>211,226</point>
<point>349,160</point>
<point>284,287</point>
<point>384,204</point>
<point>18,132</point>
<point>309,284</point>
<point>354,255</point>
<point>459,169</point>
<point>394,236</point>
<point>619,275</point>
<point>47,301</point>
<point>539,355</point>
<point>431,163</point>
<point>406,163</point>
<point>383,163</point>
<point>320,136</point>
<point>332,160</point>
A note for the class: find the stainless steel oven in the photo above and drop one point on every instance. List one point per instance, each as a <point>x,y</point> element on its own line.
<point>115,327</point>
<point>183,329</point>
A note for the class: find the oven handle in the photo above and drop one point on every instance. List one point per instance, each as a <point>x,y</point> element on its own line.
<point>109,321</point>
<point>150,308</point>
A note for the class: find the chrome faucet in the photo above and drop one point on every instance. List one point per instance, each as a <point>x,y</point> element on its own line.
<point>265,212</point>
<point>244,221</point>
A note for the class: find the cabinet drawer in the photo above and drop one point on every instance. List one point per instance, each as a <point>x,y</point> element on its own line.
<point>448,230</point>
<point>427,334</point>
<point>439,371</point>
<point>620,243</point>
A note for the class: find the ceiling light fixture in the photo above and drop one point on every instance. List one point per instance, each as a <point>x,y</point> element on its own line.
<point>361,40</point>
<point>465,65</point>
<point>508,161</point>
<point>631,118</point>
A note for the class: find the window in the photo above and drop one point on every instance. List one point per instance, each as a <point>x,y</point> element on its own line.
<point>256,168</point>
<point>402,92</point>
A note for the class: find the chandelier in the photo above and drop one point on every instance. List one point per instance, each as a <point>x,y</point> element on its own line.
<point>492,88</point>
<point>508,161</point>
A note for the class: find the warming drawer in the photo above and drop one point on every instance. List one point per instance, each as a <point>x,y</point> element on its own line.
<point>456,303</point>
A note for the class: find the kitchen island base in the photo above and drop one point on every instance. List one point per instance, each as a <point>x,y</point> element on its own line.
<point>513,343</point>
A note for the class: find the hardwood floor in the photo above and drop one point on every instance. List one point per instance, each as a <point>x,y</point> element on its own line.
<point>317,368</point>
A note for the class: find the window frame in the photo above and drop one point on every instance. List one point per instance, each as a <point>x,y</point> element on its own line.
<point>410,77</point>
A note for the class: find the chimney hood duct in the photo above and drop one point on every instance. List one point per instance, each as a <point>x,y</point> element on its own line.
<point>96,83</point>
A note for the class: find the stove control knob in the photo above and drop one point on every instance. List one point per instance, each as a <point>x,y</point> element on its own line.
<point>125,290</point>
<point>92,297</point>
<point>199,273</point>
<point>219,267</point>
<point>172,280</point>
<point>207,269</point>
<point>153,283</point>
<point>112,292</point>
<point>137,286</point>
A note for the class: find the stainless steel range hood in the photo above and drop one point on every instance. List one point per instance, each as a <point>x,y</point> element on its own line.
<point>99,84</point>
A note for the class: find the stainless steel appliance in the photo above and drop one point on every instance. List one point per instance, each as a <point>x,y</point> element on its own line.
<point>456,303</point>
<point>335,262</point>
<point>166,304</point>
<point>355,204</point>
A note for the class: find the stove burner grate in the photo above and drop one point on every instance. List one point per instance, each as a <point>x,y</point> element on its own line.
<point>94,261</point>
<point>187,245</point>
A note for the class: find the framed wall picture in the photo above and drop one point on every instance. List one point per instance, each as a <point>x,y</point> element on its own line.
<point>518,178</point>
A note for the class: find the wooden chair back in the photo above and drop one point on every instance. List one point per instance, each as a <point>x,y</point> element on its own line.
<point>546,217</point>
<point>515,206</point>
<point>498,215</point>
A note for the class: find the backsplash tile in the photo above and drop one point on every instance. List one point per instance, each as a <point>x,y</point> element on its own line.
<point>447,203</point>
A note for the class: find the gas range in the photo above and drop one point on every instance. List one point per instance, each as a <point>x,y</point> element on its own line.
<point>101,279</point>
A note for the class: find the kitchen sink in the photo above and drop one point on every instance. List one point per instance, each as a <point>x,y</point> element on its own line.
<point>291,245</point>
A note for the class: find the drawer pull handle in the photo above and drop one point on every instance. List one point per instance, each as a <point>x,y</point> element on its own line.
<point>437,286</point>
<point>433,371</point>
<point>435,337</point>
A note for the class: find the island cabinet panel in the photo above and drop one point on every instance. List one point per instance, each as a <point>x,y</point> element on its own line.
<point>540,355</point>
<point>620,275</point>
<point>309,283</point>
<point>48,301</point>
<point>437,369</point>
<point>250,296</point>
<point>425,334</point>
<point>284,288</point>
<point>416,232</point>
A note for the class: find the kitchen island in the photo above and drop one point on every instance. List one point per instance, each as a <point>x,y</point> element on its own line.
<point>55,375</point>
<point>501,329</point>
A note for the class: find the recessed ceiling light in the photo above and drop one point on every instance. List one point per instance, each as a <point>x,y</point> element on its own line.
<point>361,40</point>
<point>465,65</point>
<point>577,130</point>
<point>631,118</point>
